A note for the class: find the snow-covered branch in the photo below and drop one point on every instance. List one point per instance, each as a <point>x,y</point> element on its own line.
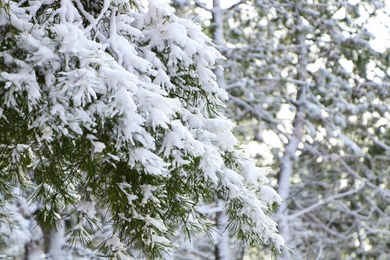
<point>324,201</point>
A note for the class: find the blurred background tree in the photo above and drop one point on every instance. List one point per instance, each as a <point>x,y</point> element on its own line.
<point>309,90</point>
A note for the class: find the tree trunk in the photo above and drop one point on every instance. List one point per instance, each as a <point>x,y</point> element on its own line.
<point>287,162</point>
<point>218,38</point>
<point>54,242</point>
<point>222,248</point>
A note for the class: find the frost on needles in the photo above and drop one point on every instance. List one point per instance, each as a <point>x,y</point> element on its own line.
<point>112,122</point>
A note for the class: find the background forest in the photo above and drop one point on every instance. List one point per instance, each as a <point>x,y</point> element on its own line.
<point>308,83</point>
<point>123,150</point>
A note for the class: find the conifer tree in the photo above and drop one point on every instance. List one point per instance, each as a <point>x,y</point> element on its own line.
<point>112,133</point>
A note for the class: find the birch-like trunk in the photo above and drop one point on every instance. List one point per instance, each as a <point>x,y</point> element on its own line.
<point>222,248</point>
<point>287,162</point>
<point>56,242</point>
<point>218,38</point>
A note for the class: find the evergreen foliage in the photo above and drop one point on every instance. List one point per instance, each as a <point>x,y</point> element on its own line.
<point>112,129</point>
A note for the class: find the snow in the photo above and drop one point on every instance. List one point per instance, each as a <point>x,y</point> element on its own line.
<point>351,144</point>
<point>47,133</point>
<point>114,243</point>
<point>223,238</point>
<point>57,242</point>
<point>160,240</point>
<point>233,176</point>
<point>87,207</point>
<point>147,191</point>
<point>152,163</point>
<point>181,138</point>
<point>254,174</point>
<point>126,188</point>
<point>269,195</point>
<point>17,233</point>
<point>137,86</point>
<point>211,163</point>
<point>157,223</point>
<point>279,241</point>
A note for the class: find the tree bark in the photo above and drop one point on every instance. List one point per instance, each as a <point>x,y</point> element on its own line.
<point>222,248</point>
<point>218,38</point>
<point>287,161</point>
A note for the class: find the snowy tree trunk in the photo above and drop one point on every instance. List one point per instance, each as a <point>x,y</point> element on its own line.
<point>218,38</point>
<point>217,22</point>
<point>287,162</point>
<point>222,249</point>
<point>239,250</point>
<point>57,242</point>
<point>34,248</point>
<point>286,170</point>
